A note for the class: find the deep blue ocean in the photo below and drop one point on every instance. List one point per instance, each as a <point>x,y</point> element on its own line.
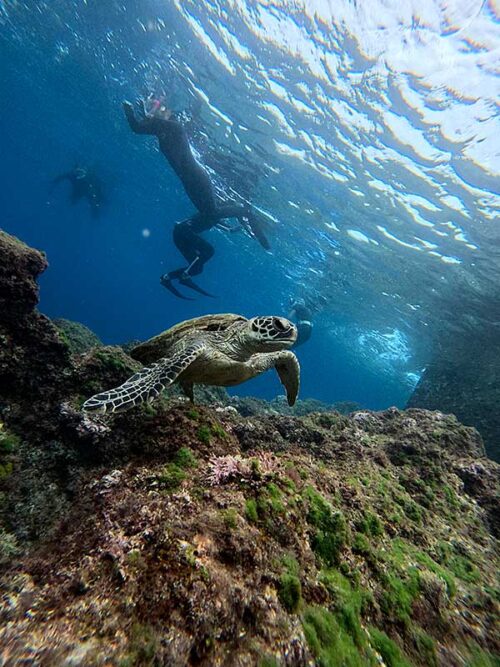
<point>371,154</point>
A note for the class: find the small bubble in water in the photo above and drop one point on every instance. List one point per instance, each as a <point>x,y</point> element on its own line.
<point>146,233</point>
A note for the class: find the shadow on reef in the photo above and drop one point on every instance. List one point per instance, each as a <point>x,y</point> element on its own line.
<point>192,535</point>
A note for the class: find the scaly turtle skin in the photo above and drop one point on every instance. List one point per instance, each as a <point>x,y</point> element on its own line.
<point>222,350</point>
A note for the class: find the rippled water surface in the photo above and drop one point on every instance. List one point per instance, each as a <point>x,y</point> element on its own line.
<point>368,131</point>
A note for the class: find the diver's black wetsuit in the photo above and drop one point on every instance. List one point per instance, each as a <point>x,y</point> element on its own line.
<point>84,185</point>
<point>195,248</point>
<point>197,251</point>
<point>175,147</point>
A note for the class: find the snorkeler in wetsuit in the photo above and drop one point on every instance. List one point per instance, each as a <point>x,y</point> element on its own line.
<point>197,250</point>
<point>84,185</point>
<point>174,145</point>
<point>302,316</point>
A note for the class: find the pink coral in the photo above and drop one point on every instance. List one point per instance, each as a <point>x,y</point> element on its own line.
<point>223,468</point>
<point>226,468</point>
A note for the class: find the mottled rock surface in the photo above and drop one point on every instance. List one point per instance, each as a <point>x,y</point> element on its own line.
<point>78,337</point>
<point>190,535</point>
<point>32,355</point>
<point>249,405</point>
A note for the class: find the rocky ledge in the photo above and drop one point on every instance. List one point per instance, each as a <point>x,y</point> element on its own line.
<point>192,535</point>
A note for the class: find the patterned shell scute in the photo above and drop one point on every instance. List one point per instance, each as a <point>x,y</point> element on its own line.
<point>157,347</point>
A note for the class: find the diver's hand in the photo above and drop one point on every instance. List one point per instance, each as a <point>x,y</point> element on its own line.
<point>141,105</point>
<point>128,108</point>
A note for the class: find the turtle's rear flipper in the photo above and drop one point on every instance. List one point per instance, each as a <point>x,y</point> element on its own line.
<point>188,282</point>
<point>166,282</point>
<point>146,385</point>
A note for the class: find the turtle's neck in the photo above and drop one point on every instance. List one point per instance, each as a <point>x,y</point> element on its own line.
<point>239,347</point>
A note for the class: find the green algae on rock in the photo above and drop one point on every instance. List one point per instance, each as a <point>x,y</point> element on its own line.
<point>239,567</point>
<point>77,337</point>
<point>276,540</point>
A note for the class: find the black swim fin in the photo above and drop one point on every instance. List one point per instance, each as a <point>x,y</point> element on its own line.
<point>254,228</point>
<point>167,283</point>
<point>188,282</point>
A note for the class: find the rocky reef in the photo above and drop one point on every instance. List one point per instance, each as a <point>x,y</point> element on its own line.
<point>249,405</point>
<point>179,534</point>
<point>77,337</point>
<point>464,379</point>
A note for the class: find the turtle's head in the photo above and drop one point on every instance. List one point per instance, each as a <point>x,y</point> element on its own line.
<point>269,333</point>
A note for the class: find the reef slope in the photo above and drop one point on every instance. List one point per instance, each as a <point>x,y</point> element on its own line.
<point>191,535</point>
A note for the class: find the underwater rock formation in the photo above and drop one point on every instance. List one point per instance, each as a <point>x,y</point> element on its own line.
<point>179,535</point>
<point>32,355</point>
<point>249,405</point>
<point>78,337</point>
<point>465,381</point>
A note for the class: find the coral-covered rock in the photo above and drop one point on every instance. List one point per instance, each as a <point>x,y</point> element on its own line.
<point>249,405</point>
<point>33,357</point>
<point>78,337</point>
<point>19,269</point>
<point>179,534</point>
<point>186,542</point>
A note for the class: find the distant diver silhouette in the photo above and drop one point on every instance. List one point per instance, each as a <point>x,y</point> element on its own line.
<point>302,316</point>
<point>85,184</point>
<point>157,120</point>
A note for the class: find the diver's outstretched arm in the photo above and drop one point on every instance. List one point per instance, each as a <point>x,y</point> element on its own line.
<point>143,126</point>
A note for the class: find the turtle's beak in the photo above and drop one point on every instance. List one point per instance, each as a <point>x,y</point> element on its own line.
<point>285,330</point>
<point>272,332</point>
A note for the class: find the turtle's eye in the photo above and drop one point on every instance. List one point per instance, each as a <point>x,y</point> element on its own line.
<point>279,324</point>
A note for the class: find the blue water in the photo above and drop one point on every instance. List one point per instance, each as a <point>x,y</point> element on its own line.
<point>387,244</point>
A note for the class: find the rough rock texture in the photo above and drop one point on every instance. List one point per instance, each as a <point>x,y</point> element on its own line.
<point>199,537</point>
<point>466,382</point>
<point>190,535</point>
<point>78,337</point>
<point>249,405</point>
<point>32,355</point>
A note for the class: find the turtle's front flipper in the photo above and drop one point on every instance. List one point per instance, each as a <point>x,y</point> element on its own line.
<point>287,367</point>
<point>145,385</point>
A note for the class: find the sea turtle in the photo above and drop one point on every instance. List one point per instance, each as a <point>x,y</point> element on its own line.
<point>221,350</point>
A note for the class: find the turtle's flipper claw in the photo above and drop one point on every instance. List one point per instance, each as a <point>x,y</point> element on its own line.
<point>188,282</point>
<point>167,283</point>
